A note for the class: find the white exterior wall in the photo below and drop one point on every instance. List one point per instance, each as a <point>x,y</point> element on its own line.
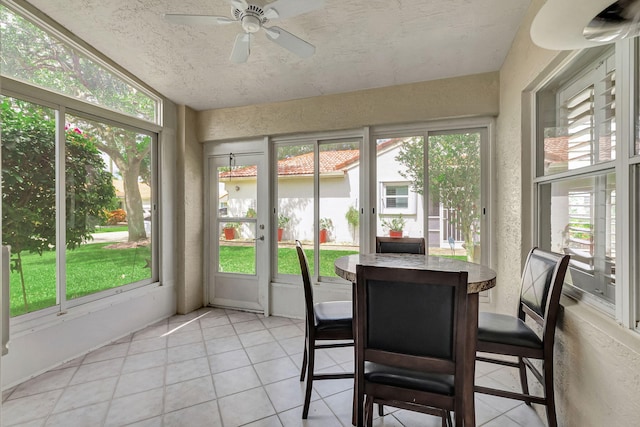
<point>388,171</point>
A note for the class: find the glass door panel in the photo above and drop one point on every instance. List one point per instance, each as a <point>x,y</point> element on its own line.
<point>338,183</point>
<point>295,205</point>
<point>237,233</point>
<point>454,177</point>
<point>400,187</point>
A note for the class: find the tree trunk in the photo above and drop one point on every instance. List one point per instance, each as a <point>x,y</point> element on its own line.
<point>133,202</point>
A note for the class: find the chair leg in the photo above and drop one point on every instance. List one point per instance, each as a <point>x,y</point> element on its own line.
<point>549,394</point>
<point>368,411</point>
<point>304,360</point>
<point>310,363</point>
<point>459,418</point>
<point>446,419</point>
<point>523,378</point>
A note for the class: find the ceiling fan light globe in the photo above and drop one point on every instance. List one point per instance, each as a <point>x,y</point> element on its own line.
<point>619,20</point>
<point>251,24</point>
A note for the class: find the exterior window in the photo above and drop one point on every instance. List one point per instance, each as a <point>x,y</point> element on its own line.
<point>579,129</point>
<point>578,217</point>
<point>78,197</point>
<point>56,65</point>
<point>396,198</point>
<point>29,203</point>
<point>577,210</point>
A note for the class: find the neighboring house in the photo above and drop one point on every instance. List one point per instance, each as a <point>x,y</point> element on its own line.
<point>145,194</point>
<point>339,189</point>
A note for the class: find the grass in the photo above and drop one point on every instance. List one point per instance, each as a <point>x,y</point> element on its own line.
<point>240,259</point>
<point>111,228</point>
<point>91,269</point>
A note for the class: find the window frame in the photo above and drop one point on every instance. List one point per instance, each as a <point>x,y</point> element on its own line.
<point>63,105</point>
<point>316,140</point>
<point>410,197</point>
<point>626,307</point>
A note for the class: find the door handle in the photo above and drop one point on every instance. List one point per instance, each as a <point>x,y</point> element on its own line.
<point>259,238</point>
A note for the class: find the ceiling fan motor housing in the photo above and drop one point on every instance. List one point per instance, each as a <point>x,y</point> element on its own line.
<point>251,18</point>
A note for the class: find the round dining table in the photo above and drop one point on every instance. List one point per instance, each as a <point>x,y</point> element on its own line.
<point>480,278</point>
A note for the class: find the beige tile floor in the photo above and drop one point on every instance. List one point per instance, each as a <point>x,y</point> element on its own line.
<point>216,367</point>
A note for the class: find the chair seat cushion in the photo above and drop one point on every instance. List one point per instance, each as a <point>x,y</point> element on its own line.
<point>333,315</point>
<point>504,329</point>
<point>406,378</point>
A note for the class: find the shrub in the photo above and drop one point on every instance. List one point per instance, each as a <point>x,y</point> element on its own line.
<point>116,216</point>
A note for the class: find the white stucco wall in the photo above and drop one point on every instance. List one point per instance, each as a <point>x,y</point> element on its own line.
<point>189,211</point>
<point>467,96</point>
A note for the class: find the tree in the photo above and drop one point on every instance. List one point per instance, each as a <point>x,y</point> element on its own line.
<point>30,54</point>
<point>454,176</point>
<point>29,194</point>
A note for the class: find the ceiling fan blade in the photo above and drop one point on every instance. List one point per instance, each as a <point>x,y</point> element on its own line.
<point>240,52</point>
<point>197,19</point>
<point>290,42</point>
<point>239,4</point>
<point>289,8</point>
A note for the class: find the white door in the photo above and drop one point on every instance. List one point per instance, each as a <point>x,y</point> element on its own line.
<point>238,233</point>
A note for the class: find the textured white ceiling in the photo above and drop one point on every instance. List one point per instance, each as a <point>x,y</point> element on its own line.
<point>360,44</point>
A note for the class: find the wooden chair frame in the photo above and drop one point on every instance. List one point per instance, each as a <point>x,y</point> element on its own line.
<point>381,240</point>
<point>313,335</point>
<point>416,400</point>
<point>524,354</point>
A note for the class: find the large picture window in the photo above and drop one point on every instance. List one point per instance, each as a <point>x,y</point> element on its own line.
<point>79,204</point>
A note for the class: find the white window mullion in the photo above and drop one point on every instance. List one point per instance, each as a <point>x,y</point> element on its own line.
<point>316,211</point>
<point>61,213</point>
<point>626,290</point>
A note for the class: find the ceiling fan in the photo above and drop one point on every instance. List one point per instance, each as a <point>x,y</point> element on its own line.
<point>253,18</point>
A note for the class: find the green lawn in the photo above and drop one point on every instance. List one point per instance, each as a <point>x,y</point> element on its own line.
<point>91,268</point>
<point>111,228</point>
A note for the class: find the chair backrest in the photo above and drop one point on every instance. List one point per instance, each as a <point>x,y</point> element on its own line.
<point>542,281</point>
<point>306,281</point>
<point>404,245</point>
<point>411,318</point>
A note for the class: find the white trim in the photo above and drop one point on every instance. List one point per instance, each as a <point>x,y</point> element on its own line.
<point>49,98</point>
<point>625,307</point>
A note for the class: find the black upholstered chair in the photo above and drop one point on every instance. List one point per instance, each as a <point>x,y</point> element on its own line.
<point>411,341</point>
<point>501,334</point>
<point>405,245</point>
<point>325,321</point>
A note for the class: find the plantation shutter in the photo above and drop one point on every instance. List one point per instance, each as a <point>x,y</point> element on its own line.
<point>581,128</point>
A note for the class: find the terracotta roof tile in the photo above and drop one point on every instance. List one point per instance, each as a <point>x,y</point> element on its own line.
<point>330,161</point>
